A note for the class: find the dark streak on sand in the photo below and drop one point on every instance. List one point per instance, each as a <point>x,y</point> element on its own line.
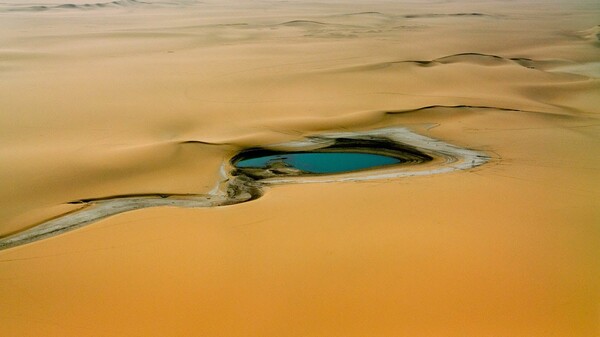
<point>460,106</point>
<point>202,142</point>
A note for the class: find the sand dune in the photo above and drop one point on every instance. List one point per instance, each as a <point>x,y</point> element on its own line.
<point>301,23</point>
<point>414,16</point>
<point>139,106</point>
<point>592,34</point>
<point>480,59</point>
<point>363,14</point>
<point>87,6</point>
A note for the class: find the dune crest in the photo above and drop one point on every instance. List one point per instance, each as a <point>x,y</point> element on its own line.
<point>84,6</point>
<point>436,15</point>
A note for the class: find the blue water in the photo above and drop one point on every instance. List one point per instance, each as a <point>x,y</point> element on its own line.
<point>322,162</point>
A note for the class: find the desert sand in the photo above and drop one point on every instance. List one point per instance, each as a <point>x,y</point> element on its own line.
<point>102,100</point>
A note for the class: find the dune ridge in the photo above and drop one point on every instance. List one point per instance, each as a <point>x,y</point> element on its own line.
<point>442,15</point>
<point>301,23</point>
<point>475,58</point>
<point>85,6</point>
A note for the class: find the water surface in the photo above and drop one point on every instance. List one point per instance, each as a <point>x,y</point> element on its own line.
<point>321,162</point>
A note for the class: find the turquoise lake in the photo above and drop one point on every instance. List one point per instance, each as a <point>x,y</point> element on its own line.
<point>321,162</point>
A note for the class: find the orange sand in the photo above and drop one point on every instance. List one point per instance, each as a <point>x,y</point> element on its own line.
<point>101,101</point>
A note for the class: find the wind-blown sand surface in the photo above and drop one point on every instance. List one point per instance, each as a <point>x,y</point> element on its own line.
<point>152,98</point>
